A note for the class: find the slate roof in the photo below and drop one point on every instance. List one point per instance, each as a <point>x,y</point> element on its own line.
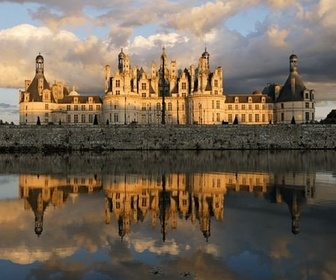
<point>33,89</point>
<point>82,99</point>
<point>286,93</point>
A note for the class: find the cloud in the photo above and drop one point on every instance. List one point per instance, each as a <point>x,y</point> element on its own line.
<point>185,27</point>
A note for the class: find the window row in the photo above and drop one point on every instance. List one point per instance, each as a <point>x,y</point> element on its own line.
<point>250,118</point>
<point>81,118</point>
<point>83,107</point>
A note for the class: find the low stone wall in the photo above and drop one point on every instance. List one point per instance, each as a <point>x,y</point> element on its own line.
<point>224,137</point>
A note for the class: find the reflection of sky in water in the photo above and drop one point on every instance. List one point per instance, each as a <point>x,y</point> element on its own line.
<point>250,266</point>
<point>254,240</point>
<point>8,186</point>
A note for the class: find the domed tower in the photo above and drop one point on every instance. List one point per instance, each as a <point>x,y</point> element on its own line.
<point>293,63</point>
<point>39,64</point>
<point>121,60</point>
<point>206,57</point>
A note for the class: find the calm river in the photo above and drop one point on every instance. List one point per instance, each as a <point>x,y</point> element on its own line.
<point>168,215</point>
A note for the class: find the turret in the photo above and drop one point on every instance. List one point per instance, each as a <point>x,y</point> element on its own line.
<point>39,64</point>
<point>107,77</point>
<point>293,63</point>
<point>121,61</point>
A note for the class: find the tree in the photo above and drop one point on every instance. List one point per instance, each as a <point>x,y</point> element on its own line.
<point>107,122</point>
<point>95,121</point>
<point>235,121</point>
<point>38,121</point>
<point>331,118</point>
<point>293,120</point>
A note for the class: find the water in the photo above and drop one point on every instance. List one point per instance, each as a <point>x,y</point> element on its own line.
<point>168,215</point>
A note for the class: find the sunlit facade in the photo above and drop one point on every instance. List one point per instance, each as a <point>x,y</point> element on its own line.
<point>43,103</point>
<point>194,95</point>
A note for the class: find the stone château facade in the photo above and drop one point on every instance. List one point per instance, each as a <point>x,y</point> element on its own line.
<point>190,96</point>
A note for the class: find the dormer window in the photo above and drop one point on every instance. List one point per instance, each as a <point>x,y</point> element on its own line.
<point>236,99</point>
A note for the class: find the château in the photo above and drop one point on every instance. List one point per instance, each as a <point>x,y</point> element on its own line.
<point>165,94</point>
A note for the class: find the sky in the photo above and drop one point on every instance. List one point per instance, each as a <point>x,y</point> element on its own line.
<point>250,39</point>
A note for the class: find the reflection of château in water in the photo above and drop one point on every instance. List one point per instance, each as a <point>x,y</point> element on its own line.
<point>40,191</point>
<point>197,197</point>
<point>165,199</point>
<point>294,190</point>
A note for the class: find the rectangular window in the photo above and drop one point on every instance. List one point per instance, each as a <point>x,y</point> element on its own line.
<point>83,118</point>
<point>250,106</point>
<point>91,107</point>
<point>257,118</point>
<point>307,105</point>
<point>68,118</point>
<point>83,107</point>
<point>98,107</point>
<point>218,104</point>
<point>143,107</point>
<point>307,116</point>
<point>257,106</point>
<point>243,118</point>
<point>76,107</point>
<point>117,83</point>
<point>243,106</point>
<point>218,117</point>
<point>230,118</point>
<point>46,106</point>
<point>216,92</point>
<point>250,118</point>
<point>143,86</point>
<point>213,104</point>
<point>143,94</point>
<point>230,107</point>
<point>90,118</point>
<point>236,107</point>
<point>263,118</point>
<point>116,118</point>
<point>184,85</point>
<point>282,117</point>
<point>75,118</point>
<point>117,92</point>
<point>216,83</point>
